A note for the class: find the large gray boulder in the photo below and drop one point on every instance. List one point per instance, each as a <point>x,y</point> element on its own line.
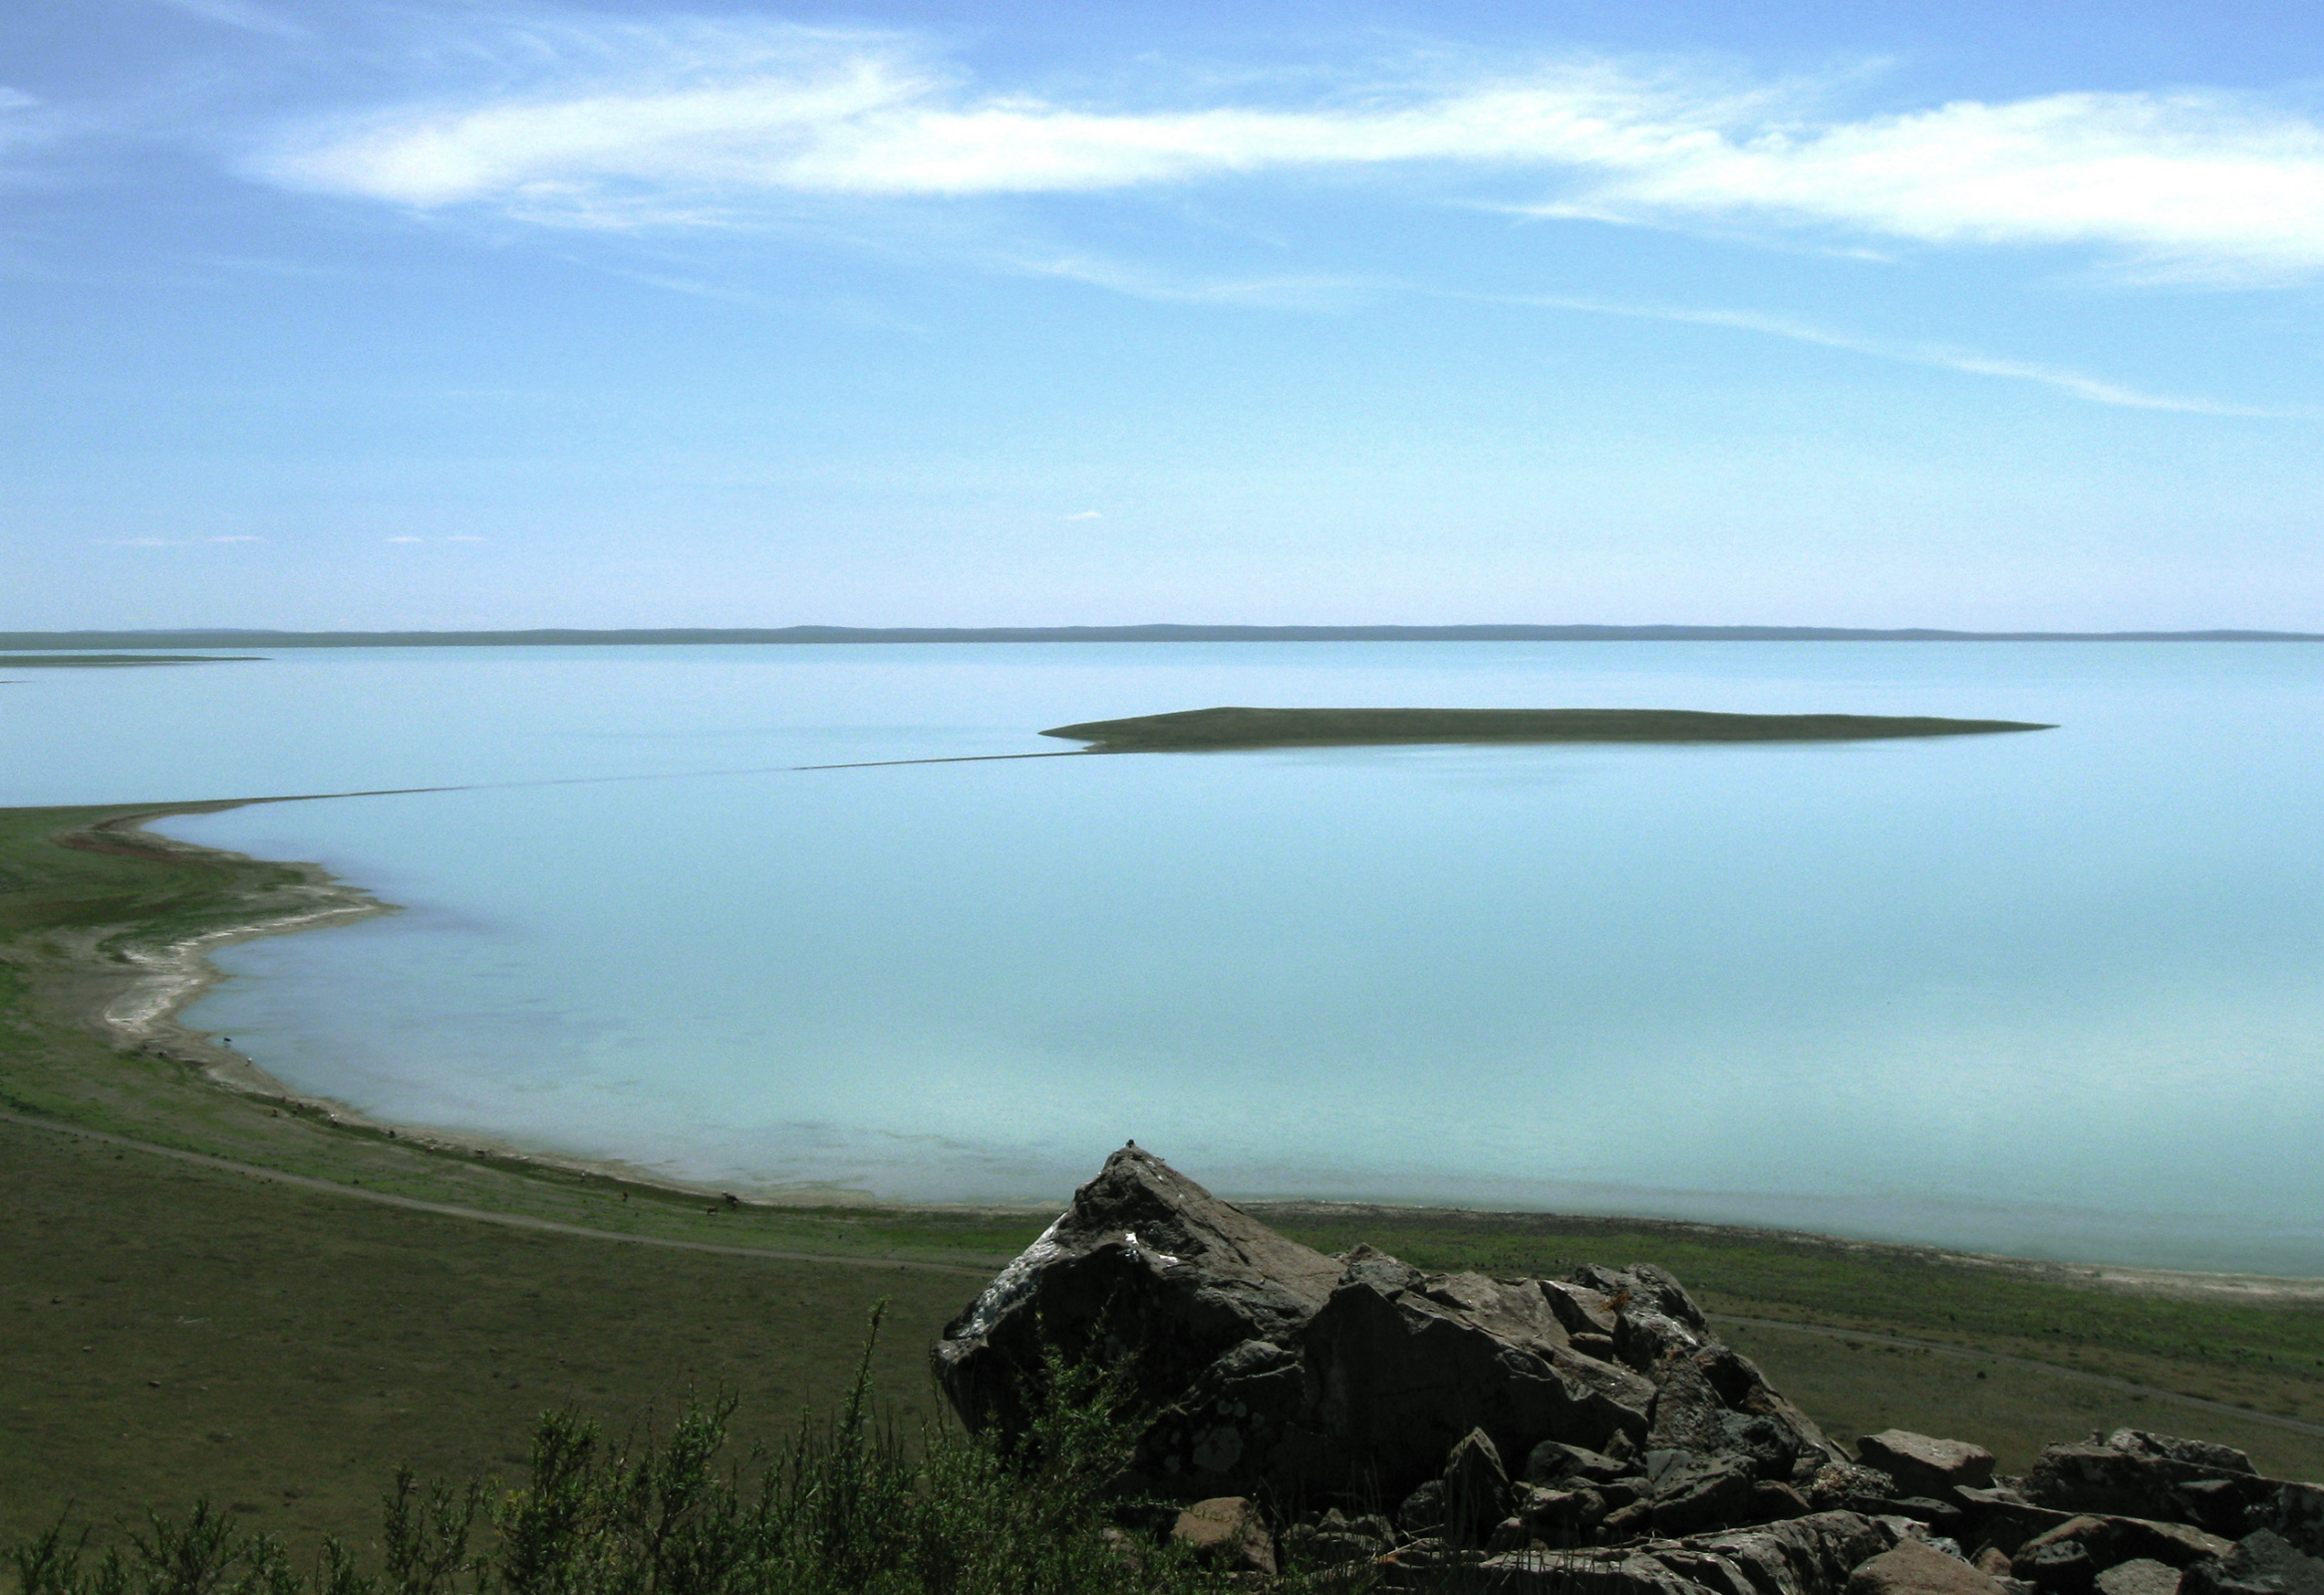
<point>1145,1265</point>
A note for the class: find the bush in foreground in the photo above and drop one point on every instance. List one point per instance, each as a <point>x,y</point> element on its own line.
<point>846,1508</point>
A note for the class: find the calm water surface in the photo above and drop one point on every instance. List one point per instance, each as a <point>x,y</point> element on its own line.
<point>2059,994</point>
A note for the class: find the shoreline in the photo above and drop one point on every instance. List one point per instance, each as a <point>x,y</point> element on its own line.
<point>132,993</point>
<point>129,986</point>
<point>162,981</point>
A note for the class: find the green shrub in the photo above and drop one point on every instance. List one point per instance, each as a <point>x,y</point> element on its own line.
<point>847,1508</point>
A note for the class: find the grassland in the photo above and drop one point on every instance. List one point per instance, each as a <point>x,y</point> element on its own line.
<point>215,1291</point>
<point>1206,730</point>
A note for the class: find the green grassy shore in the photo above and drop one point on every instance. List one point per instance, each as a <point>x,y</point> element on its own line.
<point>223,1291</point>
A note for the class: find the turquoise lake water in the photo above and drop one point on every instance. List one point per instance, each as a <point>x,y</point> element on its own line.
<point>2058,994</point>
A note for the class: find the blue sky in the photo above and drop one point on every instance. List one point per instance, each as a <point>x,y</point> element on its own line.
<point>416,314</point>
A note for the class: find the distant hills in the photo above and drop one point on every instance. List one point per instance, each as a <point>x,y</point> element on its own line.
<point>37,641</point>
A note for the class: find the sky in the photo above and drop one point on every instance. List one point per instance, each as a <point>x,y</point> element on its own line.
<point>440,314</point>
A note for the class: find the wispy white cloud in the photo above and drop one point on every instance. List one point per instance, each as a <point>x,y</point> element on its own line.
<point>241,14</point>
<point>2193,185</point>
<point>2096,389</point>
<point>24,122</point>
<point>1087,514</point>
<point>696,127</point>
<point>1277,292</point>
<point>172,543</point>
<point>402,539</point>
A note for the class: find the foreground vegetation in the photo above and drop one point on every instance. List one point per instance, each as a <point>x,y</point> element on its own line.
<point>846,1508</point>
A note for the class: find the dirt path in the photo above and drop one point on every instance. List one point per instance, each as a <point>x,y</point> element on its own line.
<point>520,1221</point>
<point>483,1216</point>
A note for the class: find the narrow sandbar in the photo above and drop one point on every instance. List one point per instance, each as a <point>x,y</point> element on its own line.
<point>120,661</point>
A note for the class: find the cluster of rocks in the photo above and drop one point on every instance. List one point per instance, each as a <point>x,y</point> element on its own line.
<point>1591,1434</point>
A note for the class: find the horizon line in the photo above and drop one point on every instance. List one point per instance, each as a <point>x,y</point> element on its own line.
<point>197,637</point>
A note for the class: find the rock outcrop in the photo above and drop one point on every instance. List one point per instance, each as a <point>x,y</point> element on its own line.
<point>1145,1266</point>
<point>1590,1435</point>
<point>1272,1368</point>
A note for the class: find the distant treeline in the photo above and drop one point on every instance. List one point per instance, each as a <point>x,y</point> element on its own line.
<point>551,637</point>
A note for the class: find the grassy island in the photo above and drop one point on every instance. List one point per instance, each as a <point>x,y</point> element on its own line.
<point>1199,730</point>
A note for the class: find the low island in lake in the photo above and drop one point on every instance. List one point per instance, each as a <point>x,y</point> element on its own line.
<point>1194,730</point>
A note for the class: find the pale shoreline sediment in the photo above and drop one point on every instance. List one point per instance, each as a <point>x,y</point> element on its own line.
<point>159,983</point>
<point>134,993</point>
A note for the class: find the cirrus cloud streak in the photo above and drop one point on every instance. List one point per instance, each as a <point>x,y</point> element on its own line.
<point>694,129</point>
<point>2096,389</point>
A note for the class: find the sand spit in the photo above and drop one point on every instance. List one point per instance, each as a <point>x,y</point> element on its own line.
<point>131,986</point>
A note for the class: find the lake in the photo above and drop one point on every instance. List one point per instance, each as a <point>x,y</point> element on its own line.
<point>2057,994</point>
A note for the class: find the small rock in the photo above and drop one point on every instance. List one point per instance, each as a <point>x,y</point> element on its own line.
<point>1227,1533</point>
<point>2110,1540</point>
<point>2005,1519</point>
<point>1475,1488</point>
<point>1626,1524</point>
<point>2295,1512</point>
<point>1553,1460</point>
<point>2224,1507</point>
<point>1700,1495</point>
<point>1509,1535</point>
<point>1423,1509</point>
<point>1941,1518</point>
<point>1924,1466</point>
<point>1559,1518</point>
<point>2142,1576</point>
<point>1366,1264</point>
<point>1775,1502</point>
<point>1583,1310</point>
<point>1336,1540</point>
<point>1913,1568</point>
<point>2133,1473</point>
<point>2056,1566</point>
<point>2262,1562</point>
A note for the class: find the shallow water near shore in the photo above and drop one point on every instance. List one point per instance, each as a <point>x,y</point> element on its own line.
<point>2057,994</point>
